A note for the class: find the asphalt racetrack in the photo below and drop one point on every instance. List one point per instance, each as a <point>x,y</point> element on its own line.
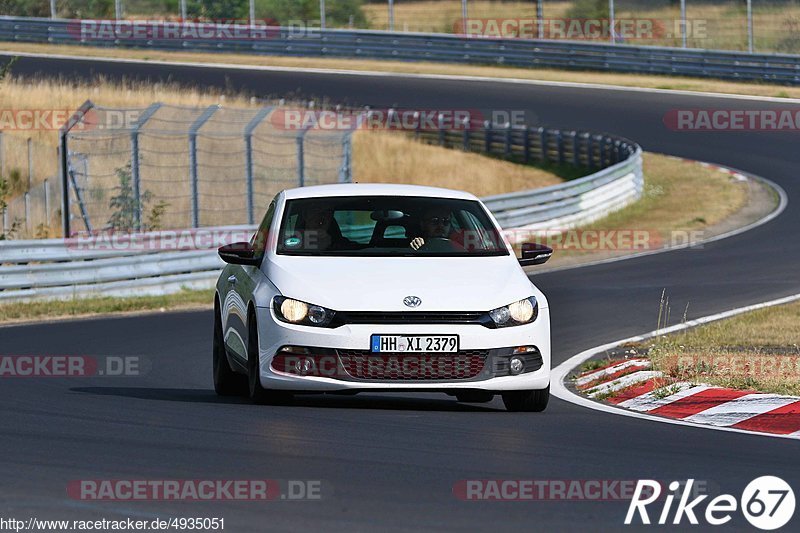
<point>389,462</point>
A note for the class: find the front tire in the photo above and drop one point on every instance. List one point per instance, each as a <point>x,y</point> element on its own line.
<point>527,400</point>
<point>226,381</point>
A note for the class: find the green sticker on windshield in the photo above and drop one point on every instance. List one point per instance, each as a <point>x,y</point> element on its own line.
<point>292,242</point>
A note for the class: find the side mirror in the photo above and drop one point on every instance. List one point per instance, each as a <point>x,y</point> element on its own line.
<point>239,253</point>
<point>534,254</point>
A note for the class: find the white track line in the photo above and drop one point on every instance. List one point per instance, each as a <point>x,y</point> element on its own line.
<point>649,401</point>
<point>613,369</point>
<point>378,73</point>
<point>623,382</point>
<point>560,373</point>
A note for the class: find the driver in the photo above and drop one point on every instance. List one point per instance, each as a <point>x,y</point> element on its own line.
<point>435,225</point>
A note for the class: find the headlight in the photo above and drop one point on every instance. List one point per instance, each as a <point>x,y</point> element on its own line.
<point>297,312</point>
<point>515,314</point>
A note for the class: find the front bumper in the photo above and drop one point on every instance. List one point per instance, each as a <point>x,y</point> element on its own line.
<point>354,341</point>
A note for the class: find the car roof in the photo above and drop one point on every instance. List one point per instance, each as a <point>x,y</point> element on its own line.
<point>375,189</point>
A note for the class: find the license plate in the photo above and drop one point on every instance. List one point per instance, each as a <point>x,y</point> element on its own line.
<point>414,343</point>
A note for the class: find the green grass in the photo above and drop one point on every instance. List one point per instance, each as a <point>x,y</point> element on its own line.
<point>15,312</point>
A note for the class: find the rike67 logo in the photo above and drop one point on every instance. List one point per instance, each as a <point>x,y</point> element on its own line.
<point>767,503</point>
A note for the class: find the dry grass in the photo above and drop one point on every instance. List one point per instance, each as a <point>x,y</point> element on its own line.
<point>679,197</point>
<point>391,158</point>
<point>622,80</point>
<point>82,307</point>
<point>759,350</point>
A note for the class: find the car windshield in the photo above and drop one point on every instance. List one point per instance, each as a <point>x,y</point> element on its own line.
<point>388,226</point>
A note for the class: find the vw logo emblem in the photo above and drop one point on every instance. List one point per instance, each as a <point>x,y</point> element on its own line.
<point>412,301</point>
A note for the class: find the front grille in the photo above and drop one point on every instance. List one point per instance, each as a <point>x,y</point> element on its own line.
<point>362,364</point>
<point>421,317</point>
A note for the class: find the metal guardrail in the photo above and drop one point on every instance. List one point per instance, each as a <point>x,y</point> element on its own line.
<point>371,44</point>
<point>164,262</point>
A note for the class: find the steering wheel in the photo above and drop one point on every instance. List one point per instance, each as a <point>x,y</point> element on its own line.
<point>440,244</point>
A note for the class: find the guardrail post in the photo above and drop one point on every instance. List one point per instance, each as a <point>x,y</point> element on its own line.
<point>487,137</point>
<point>135,175</point>
<point>560,146</point>
<point>248,160</point>
<point>576,153</point>
<point>543,145</point>
<point>196,125</point>
<point>603,150</point>
<point>507,148</point>
<point>526,145</point>
<point>589,152</point>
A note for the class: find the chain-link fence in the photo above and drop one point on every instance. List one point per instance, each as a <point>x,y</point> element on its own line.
<point>165,166</point>
<point>29,182</point>
<point>760,25</point>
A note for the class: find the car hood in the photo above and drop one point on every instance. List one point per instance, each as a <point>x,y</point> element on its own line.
<point>381,284</point>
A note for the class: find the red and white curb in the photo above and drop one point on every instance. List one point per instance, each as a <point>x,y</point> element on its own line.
<point>648,391</point>
<point>631,389</point>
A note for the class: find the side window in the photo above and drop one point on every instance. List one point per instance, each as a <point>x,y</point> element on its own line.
<point>259,240</point>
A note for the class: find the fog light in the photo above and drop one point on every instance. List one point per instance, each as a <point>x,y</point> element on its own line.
<point>304,366</point>
<point>516,366</point>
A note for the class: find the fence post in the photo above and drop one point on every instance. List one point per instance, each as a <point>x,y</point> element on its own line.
<point>301,157</point>
<point>136,181</point>
<point>2,155</point>
<point>47,202</point>
<point>440,124</point>
<point>196,125</point>
<point>507,147</point>
<point>27,198</point>
<point>465,138</point>
<point>64,163</point>
<point>30,163</point>
<point>248,158</point>
<point>391,15</point>
<point>487,137</point>
<point>346,170</point>
<point>750,45</point>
